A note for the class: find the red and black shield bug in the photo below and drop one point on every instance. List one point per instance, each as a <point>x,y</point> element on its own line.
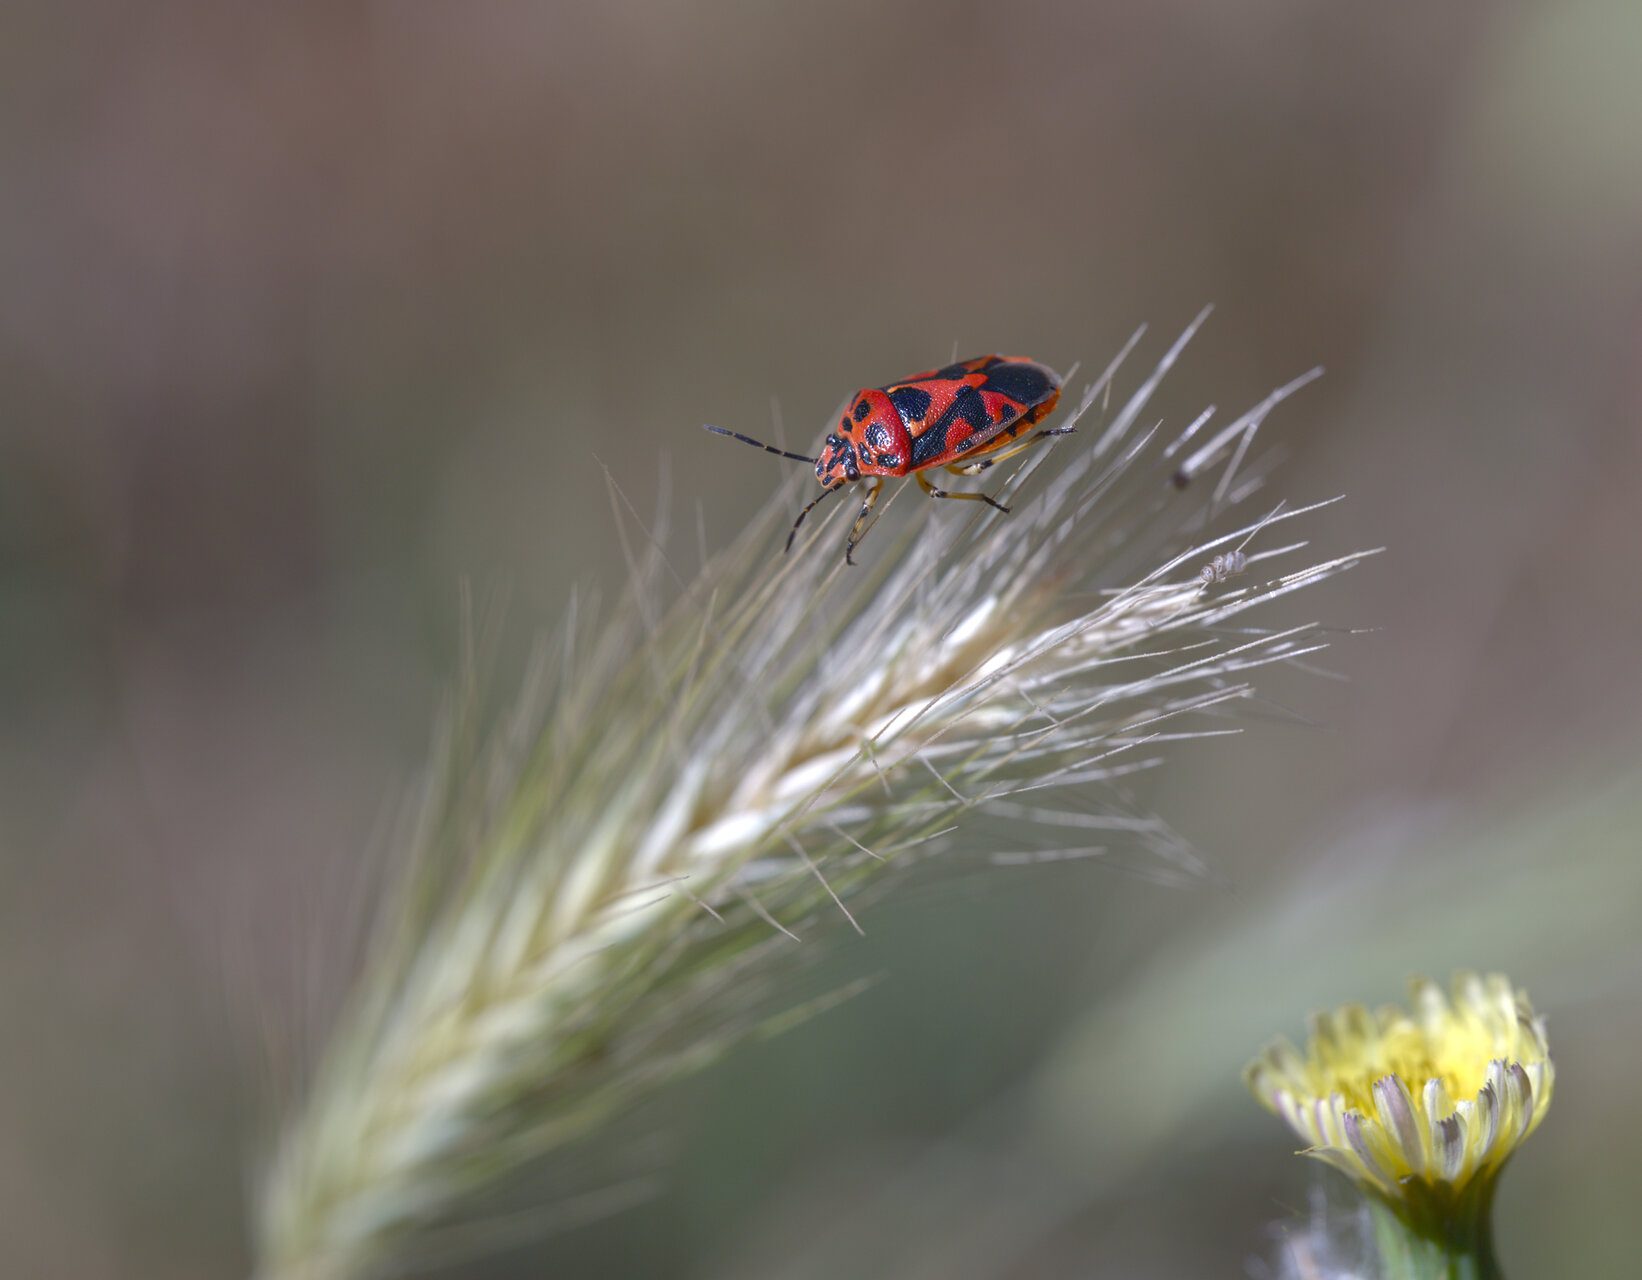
<point>965,417</point>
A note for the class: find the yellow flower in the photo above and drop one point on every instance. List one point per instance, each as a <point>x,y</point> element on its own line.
<point>1438,1097</point>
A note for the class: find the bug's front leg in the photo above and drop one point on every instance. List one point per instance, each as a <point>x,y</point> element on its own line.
<point>859,529</point>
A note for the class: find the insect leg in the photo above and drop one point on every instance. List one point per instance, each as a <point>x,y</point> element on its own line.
<point>859,529</point>
<point>975,468</point>
<point>933,492</point>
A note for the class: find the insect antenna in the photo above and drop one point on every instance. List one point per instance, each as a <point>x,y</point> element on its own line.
<point>768,448</point>
<point>835,488</point>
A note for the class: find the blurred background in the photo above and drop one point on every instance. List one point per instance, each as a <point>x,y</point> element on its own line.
<point>309,313</point>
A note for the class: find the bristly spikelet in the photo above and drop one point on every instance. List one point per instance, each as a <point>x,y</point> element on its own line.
<point>703,779</point>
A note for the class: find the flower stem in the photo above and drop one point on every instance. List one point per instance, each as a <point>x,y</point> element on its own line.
<point>1432,1232</point>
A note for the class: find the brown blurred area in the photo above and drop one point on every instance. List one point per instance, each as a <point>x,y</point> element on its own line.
<point>309,313</point>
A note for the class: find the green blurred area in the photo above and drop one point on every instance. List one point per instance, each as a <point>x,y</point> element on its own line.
<point>309,314</point>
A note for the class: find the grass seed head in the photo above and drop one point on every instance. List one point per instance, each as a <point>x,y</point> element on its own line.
<point>590,891</point>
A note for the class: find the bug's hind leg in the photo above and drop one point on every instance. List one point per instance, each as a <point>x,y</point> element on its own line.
<point>975,468</point>
<point>859,529</point>
<point>932,491</point>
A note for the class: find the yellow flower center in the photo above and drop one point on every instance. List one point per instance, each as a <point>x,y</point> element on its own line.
<point>1459,1057</point>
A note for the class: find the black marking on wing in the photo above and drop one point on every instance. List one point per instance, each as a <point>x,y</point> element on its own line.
<point>912,403</point>
<point>1024,383</point>
<point>930,445</point>
<point>862,409</point>
<point>968,407</point>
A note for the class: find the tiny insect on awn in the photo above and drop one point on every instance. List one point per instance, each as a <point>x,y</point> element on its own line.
<point>966,417</point>
<point>1222,567</point>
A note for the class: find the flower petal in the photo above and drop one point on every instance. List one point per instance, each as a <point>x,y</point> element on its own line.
<point>1395,1105</point>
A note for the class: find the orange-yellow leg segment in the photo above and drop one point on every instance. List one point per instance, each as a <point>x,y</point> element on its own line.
<point>859,529</point>
<point>932,491</point>
<point>1003,455</point>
